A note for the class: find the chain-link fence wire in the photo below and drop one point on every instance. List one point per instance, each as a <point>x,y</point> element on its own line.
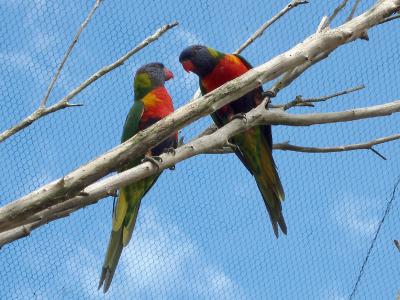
<point>202,232</point>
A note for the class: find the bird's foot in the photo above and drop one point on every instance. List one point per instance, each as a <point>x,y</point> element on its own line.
<point>268,95</point>
<point>240,116</point>
<point>170,150</point>
<point>155,160</point>
<point>231,145</point>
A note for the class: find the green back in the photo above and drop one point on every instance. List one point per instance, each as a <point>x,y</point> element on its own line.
<point>131,126</point>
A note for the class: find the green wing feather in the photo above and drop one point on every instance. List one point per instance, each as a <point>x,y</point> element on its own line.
<point>257,155</point>
<point>131,126</point>
<point>255,152</point>
<point>127,206</point>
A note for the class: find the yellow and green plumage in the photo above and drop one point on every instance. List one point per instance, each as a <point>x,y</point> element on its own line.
<point>152,103</point>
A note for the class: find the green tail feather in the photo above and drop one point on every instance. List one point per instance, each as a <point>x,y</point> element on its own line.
<point>274,208</point>
<point>124,221</point>
<point>270,186</point>
<point>257,156</point>
<point>114,251</point>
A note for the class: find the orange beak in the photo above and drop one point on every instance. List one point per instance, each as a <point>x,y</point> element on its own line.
<point>188,66</point>
<point>168,74</point>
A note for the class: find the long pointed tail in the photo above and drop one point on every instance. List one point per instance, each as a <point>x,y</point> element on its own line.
<point>256,154</point>
<point>274,208</point>
<point>271,189</point>
<point>124,221</point>
<point>113,254</point>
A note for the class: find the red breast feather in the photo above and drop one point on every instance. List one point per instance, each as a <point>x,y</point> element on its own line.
<point>228,68</point>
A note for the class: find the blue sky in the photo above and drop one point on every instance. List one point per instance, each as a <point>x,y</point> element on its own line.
<point>203,232</point>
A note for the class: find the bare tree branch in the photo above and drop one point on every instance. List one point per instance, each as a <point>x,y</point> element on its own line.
<point>289,77</point>
<point>295,73</point>
<point>388,19</point>
<point>322,24</point>
<point>334,95</point>
<point>337,10</point>
<point>69,50</point>
<point>286,146</point>
<point>259,32</point>
<point>64,102</point>
<point>299,101</point>
<point>17,212</point>
<point>201,145</point>
<point>25,230</point>
<point>353,10</point>
<point>343,148</point>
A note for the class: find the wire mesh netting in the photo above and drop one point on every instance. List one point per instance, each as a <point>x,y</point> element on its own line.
<point>203,231</point>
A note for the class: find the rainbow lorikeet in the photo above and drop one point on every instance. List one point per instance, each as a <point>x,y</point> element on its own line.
<point>151,103</point>
<point>254,146</point>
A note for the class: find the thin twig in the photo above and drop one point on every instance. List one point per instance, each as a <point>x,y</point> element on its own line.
<point>360,146</point>
<point>64,102</point>
<point>322,24</point>
<point>387,210</point>
<point>299,101</point>
<point>267,24</point>
<point>336,12</point>
<point>69,50</point>
<point>259,32</point>
<point>286,146</point>
<point>344,92</point>
<point>353,10</point>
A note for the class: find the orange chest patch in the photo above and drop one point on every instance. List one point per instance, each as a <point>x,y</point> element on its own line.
<point>157,104</point>
<point>227,69</point>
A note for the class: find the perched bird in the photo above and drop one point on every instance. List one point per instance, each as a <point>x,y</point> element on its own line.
<point>151,103</point>
<point>254,146</point>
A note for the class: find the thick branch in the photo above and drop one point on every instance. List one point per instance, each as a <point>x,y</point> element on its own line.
<point>25,230</point>
<point>64,102</point>
<point>390,18</point>
<point>295,73</point>
<point>298,101</point>
<point>325,42</point>
<point>292,75</point>
<point>202,145</point>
